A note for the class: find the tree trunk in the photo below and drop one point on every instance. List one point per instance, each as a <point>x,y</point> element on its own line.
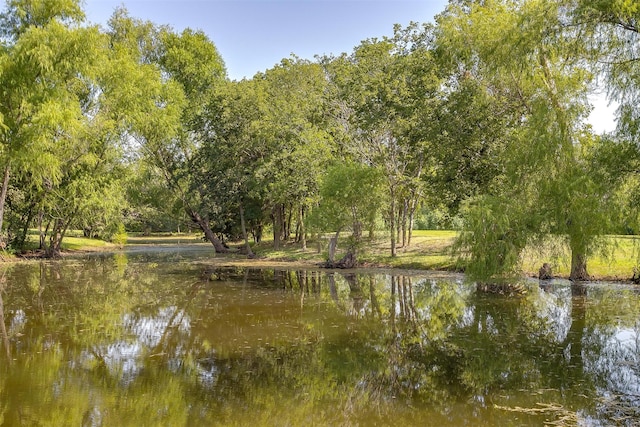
<point>333,244</point>
<point>3,328</point>
<point>287,224</point>
<point>296,238</point>
<point>405,208</point>
<point>392,224</point>
<point>398,227</point>
<point>3,198</point>
<point>256,230</point>
<point>579,266</point>
<point>250,253</point>
<point>349,260</point>
<point>277,226</point>
<point>413,200</point>
<point>52,250</point>
<point>204,226</point>
<point>61,234</point>
<point>42,233</point>
<point>303,237</point>
<point>20,240</point>
<point>412,215</point>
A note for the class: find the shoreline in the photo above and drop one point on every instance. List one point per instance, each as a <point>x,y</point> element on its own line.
<point>235,259</point>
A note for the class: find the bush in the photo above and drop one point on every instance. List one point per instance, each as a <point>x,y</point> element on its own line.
<point>120,235</point>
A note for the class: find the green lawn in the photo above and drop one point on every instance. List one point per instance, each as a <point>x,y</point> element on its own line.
<point>73,241</point>
<point>428,250</point>
<point>164,239</point>
<point>431,250</point>
<point>616,261</point>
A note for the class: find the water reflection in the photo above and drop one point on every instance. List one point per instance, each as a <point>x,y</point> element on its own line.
<point>3,328</point>
<point>144,338</point>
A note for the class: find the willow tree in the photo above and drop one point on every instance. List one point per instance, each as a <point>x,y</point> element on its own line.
<point>45,56</point>
<point>548,186</point>
<point>612,33</point>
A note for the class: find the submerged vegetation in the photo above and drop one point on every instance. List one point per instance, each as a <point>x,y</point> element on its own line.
<point>476,122</point>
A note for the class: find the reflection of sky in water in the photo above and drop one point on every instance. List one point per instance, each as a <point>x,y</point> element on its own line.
<point>433,287</point>
<point>468,317</point>
<point>616,365</point>
<point>149,330</point>
<point>122,358</point>
<point>553,305</point>
<point>490,325</point>
<point>207,372</point>
<point>18,321</point>
<point>618,361</point>
<point>610,354</point>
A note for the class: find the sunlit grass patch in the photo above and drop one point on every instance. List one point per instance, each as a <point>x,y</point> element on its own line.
<point>73,241</point>
<point>616,258</point>
<point>84,243</point>
<point>435,234</point>
<point>166,239</point>
<point>429,250</point>
<point>432,250</point>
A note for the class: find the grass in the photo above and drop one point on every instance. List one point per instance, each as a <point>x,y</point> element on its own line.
<point>74,241</point>
<point>431,250</point>
<point>616,260</point>
<point>164,239</point>
<point>85,244</point>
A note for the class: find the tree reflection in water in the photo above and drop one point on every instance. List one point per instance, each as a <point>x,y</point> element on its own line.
<point>141,339</point>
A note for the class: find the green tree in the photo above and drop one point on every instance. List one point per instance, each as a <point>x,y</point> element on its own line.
<point>152,206</point>
<point>299,146</point>
<point>473,122</point>
<point>168,79</point>
<point>47,62</point>
<point>232,153</point>
<point>351,196</point>
<point>548,186</point>
<point>612,35</point>
<point>388,90</point>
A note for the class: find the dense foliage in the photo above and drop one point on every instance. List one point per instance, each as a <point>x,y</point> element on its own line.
<point>481,116</point>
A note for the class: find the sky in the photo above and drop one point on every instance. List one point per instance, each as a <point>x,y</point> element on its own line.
<point>254,35</point>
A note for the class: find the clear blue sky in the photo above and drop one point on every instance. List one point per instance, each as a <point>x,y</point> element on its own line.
<point>254,35</point>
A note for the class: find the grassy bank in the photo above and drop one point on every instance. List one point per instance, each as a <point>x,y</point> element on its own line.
<point>165,239</point>
<point>74,241</point>
<point>431,250</point>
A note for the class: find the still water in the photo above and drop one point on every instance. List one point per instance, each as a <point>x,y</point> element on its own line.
<point>147,338</point>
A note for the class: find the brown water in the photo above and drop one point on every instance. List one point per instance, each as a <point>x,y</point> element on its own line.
<point>141,339</point>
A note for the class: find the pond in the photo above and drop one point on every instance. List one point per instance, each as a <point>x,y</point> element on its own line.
<point>165,338</point>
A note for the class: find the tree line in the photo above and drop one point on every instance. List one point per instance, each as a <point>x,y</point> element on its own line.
<point>481,115</point>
